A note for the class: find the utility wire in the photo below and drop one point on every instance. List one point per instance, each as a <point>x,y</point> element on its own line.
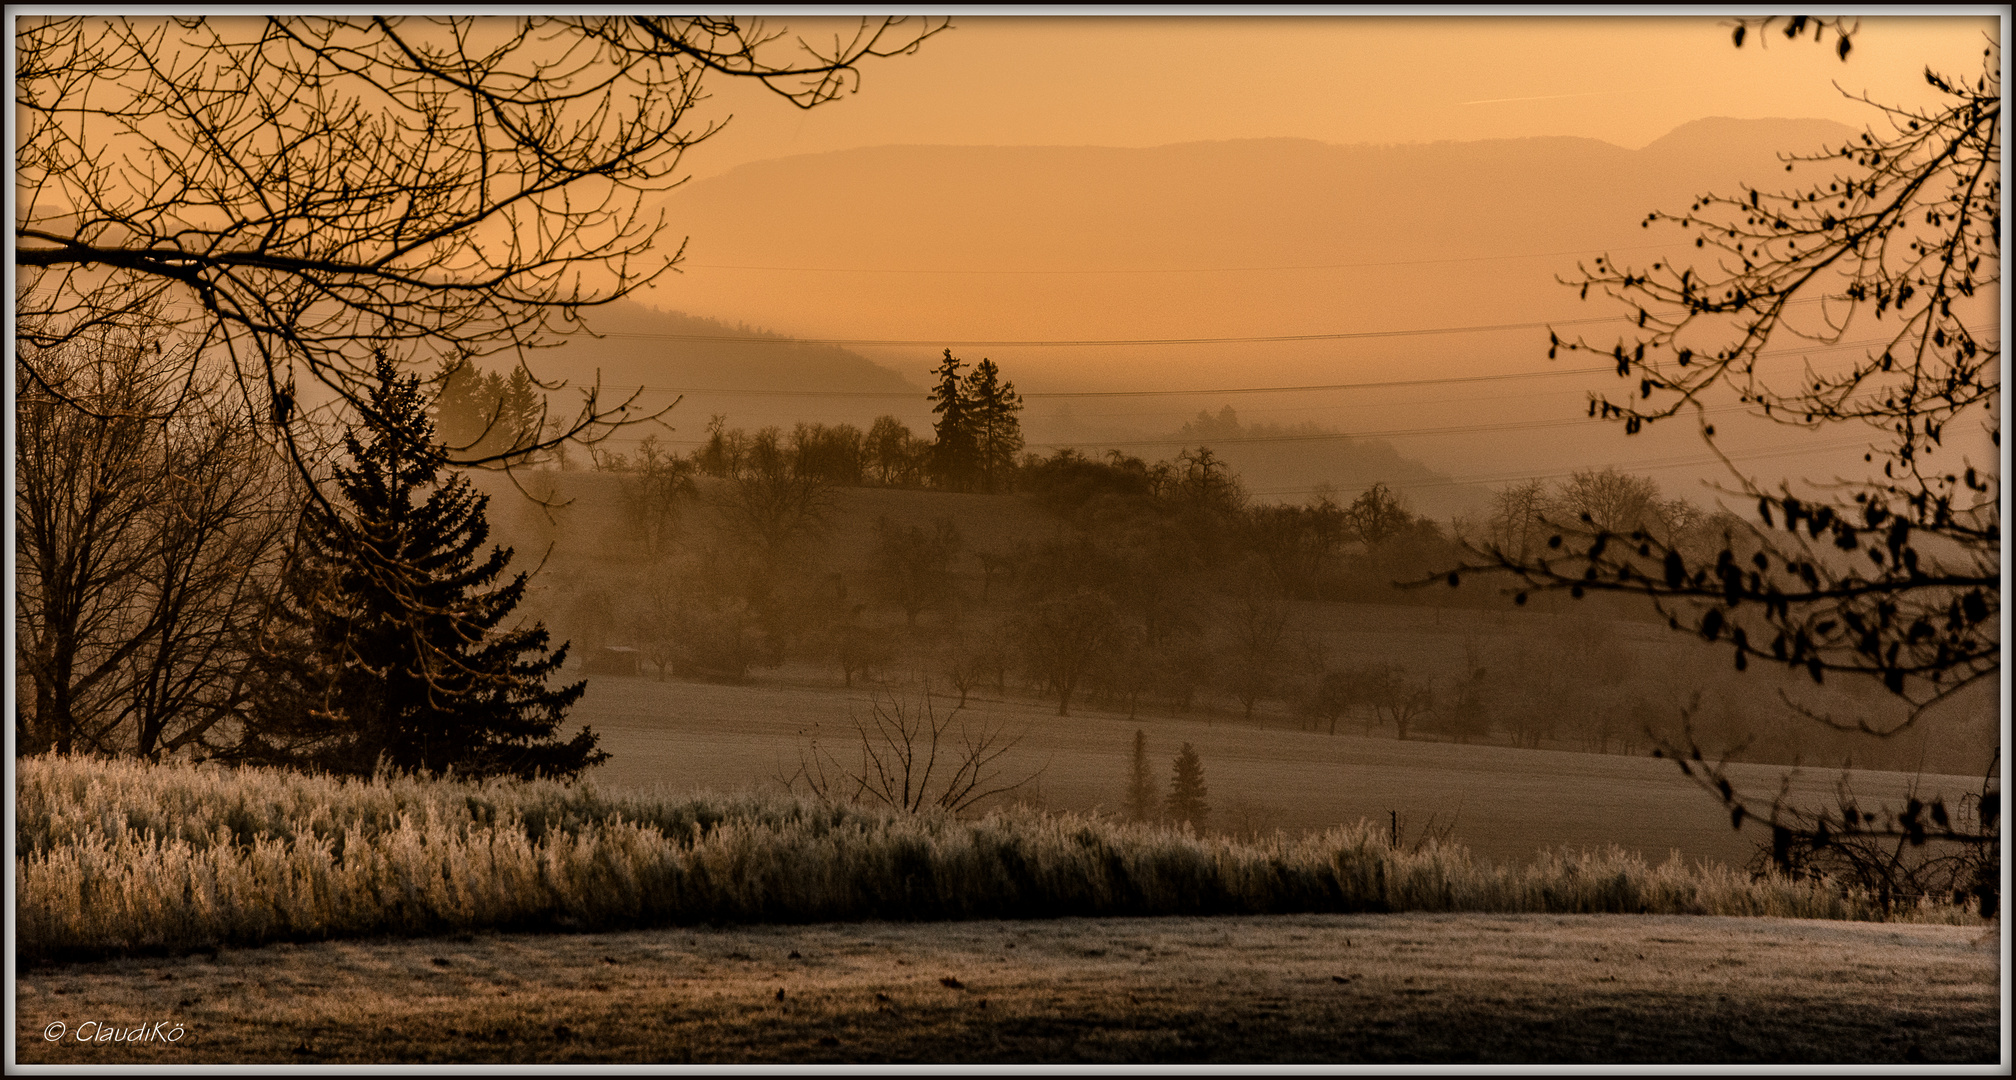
<point>1650,466</point>
<point>1183,269</point>
<point>1215,391</point>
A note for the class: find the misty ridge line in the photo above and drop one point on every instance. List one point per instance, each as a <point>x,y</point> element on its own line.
<point>1250,339</point>
<point>1314,387</point>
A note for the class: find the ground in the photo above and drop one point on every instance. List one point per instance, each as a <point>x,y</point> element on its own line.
<point>1331,989</point>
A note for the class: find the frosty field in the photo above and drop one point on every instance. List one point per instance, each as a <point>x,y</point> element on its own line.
<point>1287,988</point>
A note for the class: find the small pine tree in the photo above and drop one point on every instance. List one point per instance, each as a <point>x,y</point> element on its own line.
<point>1141,800</point>
<point>1187,791</point>
<point>386,644</point>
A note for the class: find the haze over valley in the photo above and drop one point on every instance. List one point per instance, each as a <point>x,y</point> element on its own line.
<point>974,247</point>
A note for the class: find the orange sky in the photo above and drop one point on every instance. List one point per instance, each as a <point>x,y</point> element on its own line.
<point>1147,81</point>
<point>1152,81</point>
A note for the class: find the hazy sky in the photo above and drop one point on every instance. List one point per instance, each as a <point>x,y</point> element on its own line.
<point>1141,82</point>
<point>1151,80</point>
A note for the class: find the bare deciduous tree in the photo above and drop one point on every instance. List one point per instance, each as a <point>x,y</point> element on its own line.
<point>1897,578</point>
<point>147,517</point>
<point>302,191</point>
<point>912,760</point>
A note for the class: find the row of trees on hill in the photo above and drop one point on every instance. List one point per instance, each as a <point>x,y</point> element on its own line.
<point>1164,589</point>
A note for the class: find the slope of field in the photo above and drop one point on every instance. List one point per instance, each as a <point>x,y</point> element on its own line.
<point>1504,803</point>
<point>1314,989</point>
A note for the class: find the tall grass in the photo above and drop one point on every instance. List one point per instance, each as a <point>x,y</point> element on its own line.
<point>118,857</point>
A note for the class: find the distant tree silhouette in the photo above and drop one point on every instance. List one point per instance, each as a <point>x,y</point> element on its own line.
<point>1066,625</point>
<point>996,432</point>
<point>1187,792</point>
<point>1465,711</point>
<point>833,454</point>
<point>893,450</point>
<point>955,456</point>
<point>1517,522</point>
<point>1142,801</point>
<point>1202,481</point>
<point>1396,697</point>
<point>1255,617</point>
<point>656,489</point>
<point>1378,514</point>
<point>487,415</point>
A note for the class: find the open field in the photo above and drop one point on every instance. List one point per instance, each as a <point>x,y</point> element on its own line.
<point>1505,803</point>
<point>1308,988</point>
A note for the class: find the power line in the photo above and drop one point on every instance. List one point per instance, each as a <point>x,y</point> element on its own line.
<point>1252,339</point>
<point>1005,343</point>
<point>1180,270</point>
<point>1143,393</point>
<point>1650,466</point>
<point>1216,391</point>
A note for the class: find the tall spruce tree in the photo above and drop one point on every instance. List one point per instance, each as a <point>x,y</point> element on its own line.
<point>997,434</point>
<point>953,456</point>
<point>387,643</point>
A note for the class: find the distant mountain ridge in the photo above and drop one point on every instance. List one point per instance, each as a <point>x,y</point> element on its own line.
<point>754,377</point>
<point>1405,245</point>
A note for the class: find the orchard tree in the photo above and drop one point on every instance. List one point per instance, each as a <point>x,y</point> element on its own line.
<point>299,191</point>
<point>389,643</point>
<point>1377,515</point>
<point>1897,577</point>
<point>913,567</point>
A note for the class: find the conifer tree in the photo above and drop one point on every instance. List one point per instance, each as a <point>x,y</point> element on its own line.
<point>997,434</point>
<point>953,456</point>
<point>388,641</point>
<point>1141,801</point>
<point>480,414</point>
<point>1186,789</point>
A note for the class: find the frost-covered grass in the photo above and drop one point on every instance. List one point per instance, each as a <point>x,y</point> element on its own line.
<point>119,857</point>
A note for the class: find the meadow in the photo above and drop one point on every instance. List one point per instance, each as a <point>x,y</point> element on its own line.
<point>1502,803</point>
